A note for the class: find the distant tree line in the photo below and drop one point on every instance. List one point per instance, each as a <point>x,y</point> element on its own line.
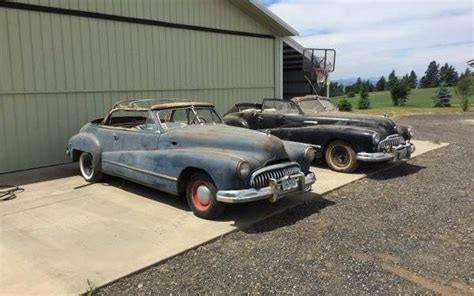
<point>399,87</point>
<point>435,76</point>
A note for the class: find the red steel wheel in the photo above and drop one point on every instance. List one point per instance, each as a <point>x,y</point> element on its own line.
<point>201,195</point>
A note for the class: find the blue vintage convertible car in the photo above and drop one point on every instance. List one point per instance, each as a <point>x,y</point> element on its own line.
<point>184,148</point>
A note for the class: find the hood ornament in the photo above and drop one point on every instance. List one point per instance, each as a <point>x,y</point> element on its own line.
<point>267,131</point>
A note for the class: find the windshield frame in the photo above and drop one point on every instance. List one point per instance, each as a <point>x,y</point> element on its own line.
<point>280,100</point>
<point>193,110</point>
<point>319,102</point>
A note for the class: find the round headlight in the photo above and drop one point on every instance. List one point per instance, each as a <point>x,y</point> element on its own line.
<point>243,169</point>
<point>375,138</point>
<point>309,154</point>
<point>411,132</point>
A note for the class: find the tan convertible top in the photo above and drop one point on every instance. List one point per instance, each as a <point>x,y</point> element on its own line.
<point>156,104</point>
<point>169,105</point>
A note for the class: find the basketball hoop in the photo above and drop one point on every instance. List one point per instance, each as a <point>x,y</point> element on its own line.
<point>318,62</point>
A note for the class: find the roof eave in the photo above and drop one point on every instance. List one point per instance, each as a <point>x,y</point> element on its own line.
<point>267,17</point>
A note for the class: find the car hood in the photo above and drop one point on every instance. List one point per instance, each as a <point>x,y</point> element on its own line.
<point>244,143</point>
<point>341,118</point>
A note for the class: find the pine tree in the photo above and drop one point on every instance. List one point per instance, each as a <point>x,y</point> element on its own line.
<point>413,80</point>
<point>466,73</point>
<point>381,85</point>
<point>406,79</point>
<point>443,96</point>
<point>358,85</point>
<point>392,80</point>
<point>364,102</point>
<point>370,86</point>
<point>431,78</point>
<point>448,75</point>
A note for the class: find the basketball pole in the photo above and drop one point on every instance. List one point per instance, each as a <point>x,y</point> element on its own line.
<point>328,83</point>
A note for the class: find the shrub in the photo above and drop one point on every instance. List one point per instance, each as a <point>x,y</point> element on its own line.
<point>351,94</point>
<point>344,105</point>
<point>443,97</point>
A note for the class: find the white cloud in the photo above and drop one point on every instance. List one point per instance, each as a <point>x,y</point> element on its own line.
<point>373,37</point>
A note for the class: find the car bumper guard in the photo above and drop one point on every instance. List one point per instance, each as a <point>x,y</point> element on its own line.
<point>273,192</point>
<point>402,152</point>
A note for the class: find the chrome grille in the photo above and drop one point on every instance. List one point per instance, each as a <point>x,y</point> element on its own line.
<point>390,141</point>
<point>261,178</point>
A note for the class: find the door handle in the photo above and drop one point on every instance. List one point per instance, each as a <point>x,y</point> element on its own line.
<point>260,118</point>
<point>116,137</point>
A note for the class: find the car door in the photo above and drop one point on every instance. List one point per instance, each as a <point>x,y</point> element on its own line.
<point>128,142</point>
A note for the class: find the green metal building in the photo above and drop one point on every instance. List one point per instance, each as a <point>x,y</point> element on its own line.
<point>64,62</point>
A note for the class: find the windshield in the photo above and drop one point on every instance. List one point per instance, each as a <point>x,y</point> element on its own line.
<point>314,105</point>
<point>181,117</point>
<point>280,107</point>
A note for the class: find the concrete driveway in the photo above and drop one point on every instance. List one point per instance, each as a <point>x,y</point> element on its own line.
<point>61,232</point>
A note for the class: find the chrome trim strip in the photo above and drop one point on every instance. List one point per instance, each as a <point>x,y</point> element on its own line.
<point>142,171</point>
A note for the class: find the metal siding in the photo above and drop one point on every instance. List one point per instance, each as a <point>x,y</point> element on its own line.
<point>59,72</point>
<point>219,14</point>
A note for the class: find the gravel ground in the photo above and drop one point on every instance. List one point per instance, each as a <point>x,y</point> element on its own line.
<point>405,230</point>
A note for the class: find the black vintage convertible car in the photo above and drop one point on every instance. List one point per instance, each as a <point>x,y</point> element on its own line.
<point>346,139</point>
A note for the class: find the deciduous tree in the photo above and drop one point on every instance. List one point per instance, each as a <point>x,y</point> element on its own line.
<point>399,92</point>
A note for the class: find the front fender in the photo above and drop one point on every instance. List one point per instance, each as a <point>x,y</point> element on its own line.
<point>169,164</point>
<point>296,152</point>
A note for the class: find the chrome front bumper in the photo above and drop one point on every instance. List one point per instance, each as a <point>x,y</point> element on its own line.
<point>272,192</point>
<point>402,152</point>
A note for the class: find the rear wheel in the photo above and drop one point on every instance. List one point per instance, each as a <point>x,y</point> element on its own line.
<point>201,194</point>
<point>89,171</point>
<point>341,157</point>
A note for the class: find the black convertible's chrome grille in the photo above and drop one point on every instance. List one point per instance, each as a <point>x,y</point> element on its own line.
<point>261,178</point>
<point>390,141</point>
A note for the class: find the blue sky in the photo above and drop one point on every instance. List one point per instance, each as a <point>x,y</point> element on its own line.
<point>372,37</point>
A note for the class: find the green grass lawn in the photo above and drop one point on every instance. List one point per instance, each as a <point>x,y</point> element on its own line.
<point>420,101</point>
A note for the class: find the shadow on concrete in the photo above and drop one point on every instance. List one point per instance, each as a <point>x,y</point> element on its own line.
<point>146,192</point>
<point>40,174</point>
<point>383,170</point>
<point>243,215</point>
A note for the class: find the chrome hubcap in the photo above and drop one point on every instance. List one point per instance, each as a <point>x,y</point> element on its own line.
<point>204,194</point>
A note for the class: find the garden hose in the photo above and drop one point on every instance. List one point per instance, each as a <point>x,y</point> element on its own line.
<point>8,192</point>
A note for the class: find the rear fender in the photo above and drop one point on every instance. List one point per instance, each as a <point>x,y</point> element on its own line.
<point>86,142</point>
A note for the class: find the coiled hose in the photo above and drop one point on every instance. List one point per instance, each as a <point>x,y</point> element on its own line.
<point>8,192</point>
